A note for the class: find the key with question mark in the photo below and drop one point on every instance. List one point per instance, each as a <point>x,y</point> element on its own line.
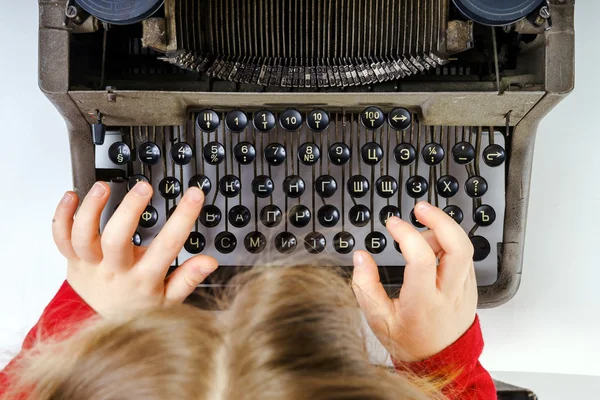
<point>476,186</point>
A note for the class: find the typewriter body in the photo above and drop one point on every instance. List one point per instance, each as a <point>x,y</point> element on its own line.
<point>308,123</point>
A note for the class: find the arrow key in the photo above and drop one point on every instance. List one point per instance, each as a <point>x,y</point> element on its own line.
<point>494,155</point>
<point>400,119</point>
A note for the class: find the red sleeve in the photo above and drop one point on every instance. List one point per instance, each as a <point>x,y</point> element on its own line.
<point>65,311</point>
<point>473,382</point>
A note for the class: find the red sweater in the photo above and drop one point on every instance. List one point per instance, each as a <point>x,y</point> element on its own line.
<point>473,382</point>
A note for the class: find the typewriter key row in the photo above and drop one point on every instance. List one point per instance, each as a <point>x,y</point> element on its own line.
<point>314,182</point>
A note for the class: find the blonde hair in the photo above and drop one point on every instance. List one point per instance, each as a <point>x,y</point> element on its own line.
<point>283,333</point>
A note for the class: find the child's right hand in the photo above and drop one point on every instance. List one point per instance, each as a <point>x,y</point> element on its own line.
<point>437,303</point>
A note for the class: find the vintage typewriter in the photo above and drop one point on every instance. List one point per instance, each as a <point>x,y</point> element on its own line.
<point>308,123</point>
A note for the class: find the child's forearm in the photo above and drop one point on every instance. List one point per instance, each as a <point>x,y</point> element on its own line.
<point>460,361</point>
<point>64,313</point>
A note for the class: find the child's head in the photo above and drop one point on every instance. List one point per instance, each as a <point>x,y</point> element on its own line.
<point>286,333</point>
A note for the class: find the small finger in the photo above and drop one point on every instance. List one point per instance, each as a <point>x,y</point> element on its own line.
<point>184,280</point>
<point>369,292</point>
<point>457,248</point>
<point>432,241</point>
<point>420,274</point>
<point>86,226</point>
<point>116,237</point>
<point>450,235</point>
<point>169,242</point>
<point>62,225</point>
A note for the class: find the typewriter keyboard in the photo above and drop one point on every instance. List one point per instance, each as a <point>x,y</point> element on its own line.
<point>311,181</point>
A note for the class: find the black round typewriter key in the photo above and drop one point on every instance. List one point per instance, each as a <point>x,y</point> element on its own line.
<point>358,186</point>
<point>208,120</point>
<point>315,243</point>
<point>386,186</point>
<point>275,154</point>
<point>135,179</point>
<point>339,154</point>
<point>169,188</point>
<point>244,153</point>
<point>149,217</point>
<point>416,186</point>
<point>264,121</point>
<point>230,186</point>
<point>494,155</point>
<point>225,242</point>
<point>136,239</point>
<point>482,248</point>
<point>171,211</point>
<point>270,216</point>
<point>400,119</point>
<point>463,153</point>
<point>255,242</point>
<point>397,247</point>
<point>262,186</point>
<point>476,186</point>
<point>201,182</point>
<point>484,215</point>
<point>290,120</point>
<point>210,216</point>
<point>405,154</point>
<point>214,153</point>
<point>299,216</point>
<point>149,153</point>
<point>285,242</point>
<point>414,220</point>
<point>325,186</point>
<point>343,242</point>
<point>447,186</point>
<point>433,154</point>
<point>309,153</point>
<point>195,243</point>
<point>371,153</point>
<point>372,118</point>
<point>388,212</point>
<point>293,186</point>
<point>375,242</point>
<point>328,215</point>
<point>239,216</point>
<point>317,120</point>
<point>181,153</point>
<point>236,121</point>
<point>455,213</point>
<point>359,215</point>
<point>119,153</point>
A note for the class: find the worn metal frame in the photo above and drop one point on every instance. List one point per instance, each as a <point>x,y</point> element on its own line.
<point>483,108</point>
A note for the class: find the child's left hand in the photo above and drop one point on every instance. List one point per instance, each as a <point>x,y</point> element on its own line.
<point>112,275</point>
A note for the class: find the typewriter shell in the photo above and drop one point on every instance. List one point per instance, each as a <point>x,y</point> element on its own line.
<point>448,103</point>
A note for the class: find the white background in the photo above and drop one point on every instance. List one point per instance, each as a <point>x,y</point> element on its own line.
<point>552,325</point>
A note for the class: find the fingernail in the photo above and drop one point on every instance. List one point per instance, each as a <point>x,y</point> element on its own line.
<point>141,189</point>
<point>195,195</point>
<point>359,260</point>
<point>98,190</point>
<point>424,206</point>
<point>67,198</point>
<point>392,221</point>
<point>206,270</point>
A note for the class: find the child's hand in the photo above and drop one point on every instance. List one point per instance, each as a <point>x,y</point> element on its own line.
<point>437,303</point>
<point>108,271</point>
